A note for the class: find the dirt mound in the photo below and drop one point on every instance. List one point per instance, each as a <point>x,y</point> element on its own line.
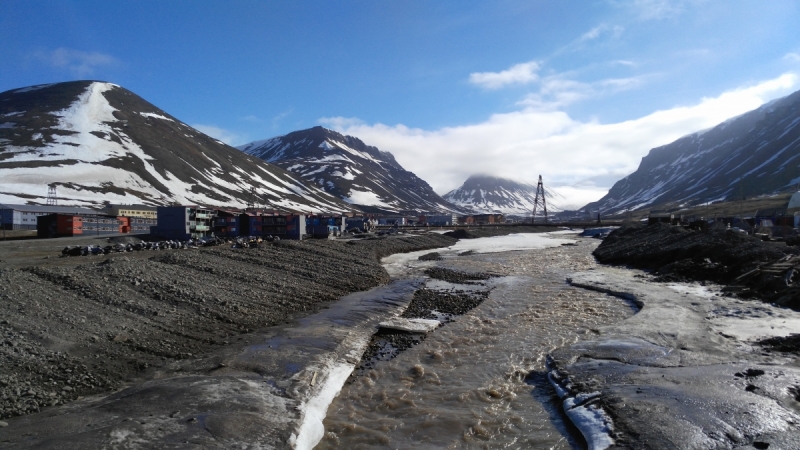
<point>719,255</point>
<point>86,328</point>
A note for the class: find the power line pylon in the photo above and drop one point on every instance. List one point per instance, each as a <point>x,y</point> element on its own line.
<point>539,202</point>
<point>52,200</point>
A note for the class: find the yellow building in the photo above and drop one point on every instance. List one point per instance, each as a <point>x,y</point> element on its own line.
<point>142,211</point>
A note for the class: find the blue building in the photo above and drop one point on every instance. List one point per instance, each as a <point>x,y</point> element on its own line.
<point>322,226</point>
<point>183,222</point>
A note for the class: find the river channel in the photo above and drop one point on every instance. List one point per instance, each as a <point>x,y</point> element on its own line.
<point>478,382</point>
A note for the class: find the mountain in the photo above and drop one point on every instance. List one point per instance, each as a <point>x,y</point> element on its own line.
<point>99,142</point>
<point>347,168</point>
<point>757,153</point>
<point>487,194</point>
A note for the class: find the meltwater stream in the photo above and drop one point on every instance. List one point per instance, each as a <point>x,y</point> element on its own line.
<point>479,382</point>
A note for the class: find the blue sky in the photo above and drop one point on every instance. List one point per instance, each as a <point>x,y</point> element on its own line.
<point>578,91</point>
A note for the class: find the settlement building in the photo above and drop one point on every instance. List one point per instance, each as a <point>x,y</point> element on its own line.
<point>139,211</point>
<point>322,226</point>
<point>24,217</point>
<point>438,219</point>
<point>183,222</point>
<point>62,225</point>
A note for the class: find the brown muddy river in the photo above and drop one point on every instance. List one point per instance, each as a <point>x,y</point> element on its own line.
<point>479,382</point>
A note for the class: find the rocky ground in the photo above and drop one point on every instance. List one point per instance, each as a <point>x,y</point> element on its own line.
<point>750,267</point>
<point>74,326</point>
<point>693,369</point>
<point>437,304</point>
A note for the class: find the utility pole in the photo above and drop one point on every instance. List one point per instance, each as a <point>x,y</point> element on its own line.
<point>539,201</point>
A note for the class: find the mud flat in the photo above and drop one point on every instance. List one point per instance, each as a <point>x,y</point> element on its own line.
<point>688,371</point>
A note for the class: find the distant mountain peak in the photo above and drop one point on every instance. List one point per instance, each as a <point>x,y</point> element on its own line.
<point>349,169</point>
<point>482,193</point>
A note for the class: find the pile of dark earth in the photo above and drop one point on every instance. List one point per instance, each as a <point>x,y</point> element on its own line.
<point>433,256</point>
<point>94,326</point>
<point>785,344</point>
<point>498,230</point>
<point>748,266</point>
<point>456,276</point>
<point>427,304</point>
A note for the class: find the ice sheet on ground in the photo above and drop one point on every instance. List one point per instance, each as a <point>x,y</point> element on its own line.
<point>399,263</point>
<point>312,430</point>
<point>750,323</point>
<point>521,241</point>
<point>696,290</point>
<point>410,325</point>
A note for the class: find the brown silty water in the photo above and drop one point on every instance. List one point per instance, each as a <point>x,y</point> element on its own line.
<point>480,382</point>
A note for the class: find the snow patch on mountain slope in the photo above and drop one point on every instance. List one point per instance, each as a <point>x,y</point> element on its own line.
<point>366,198</point>
<point>78,158</point>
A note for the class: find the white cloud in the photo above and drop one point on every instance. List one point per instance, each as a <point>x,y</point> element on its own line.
<point>529,142</point>
<point>78,62</point>
<point>792,57</point>
<point>226,136</point>
<point>523,73</point>
<point>558,91</point>
<point>599,30</point>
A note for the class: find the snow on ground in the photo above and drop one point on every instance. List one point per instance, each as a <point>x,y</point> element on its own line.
<point>33,88</point>
<point>754,321</point>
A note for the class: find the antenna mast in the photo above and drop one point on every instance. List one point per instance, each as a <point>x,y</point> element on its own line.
<point>539,201</point>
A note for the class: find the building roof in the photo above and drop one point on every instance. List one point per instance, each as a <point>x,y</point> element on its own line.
<point>139,207</point>
<point>50,209</point>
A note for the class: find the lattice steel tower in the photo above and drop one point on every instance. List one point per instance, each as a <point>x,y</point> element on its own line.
<point>51,195</point>
<point>540,202</point>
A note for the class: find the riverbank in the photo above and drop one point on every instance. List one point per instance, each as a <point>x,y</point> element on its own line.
<point>746,265</point>
<point>78,326</point>
<point>702,365</point>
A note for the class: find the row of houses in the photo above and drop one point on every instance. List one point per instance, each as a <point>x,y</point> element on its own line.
<point>441,220</point>
<point>772,217</point>
<point>192,221</point>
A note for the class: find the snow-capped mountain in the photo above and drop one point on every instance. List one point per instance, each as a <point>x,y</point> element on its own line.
<point>487,194</point>
<point>99,142</point>
<point>347,168</point>
<point>756,153</point>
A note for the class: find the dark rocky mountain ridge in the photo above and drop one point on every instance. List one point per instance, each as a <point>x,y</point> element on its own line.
<point>347,168</point>
<point>97,142</point>
<point>754,154</point>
